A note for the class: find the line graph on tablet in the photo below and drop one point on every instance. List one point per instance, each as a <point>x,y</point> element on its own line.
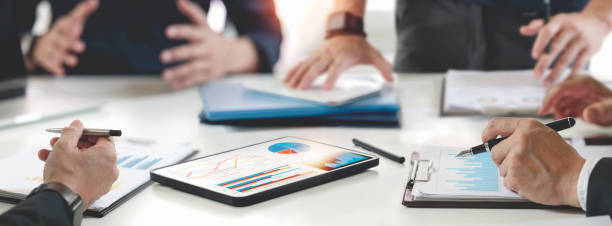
<point>224,167</point>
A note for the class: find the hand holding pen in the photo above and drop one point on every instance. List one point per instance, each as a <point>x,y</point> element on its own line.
<point>488,145</point>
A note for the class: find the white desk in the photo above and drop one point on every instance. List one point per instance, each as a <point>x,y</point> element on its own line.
<point>146,108</point>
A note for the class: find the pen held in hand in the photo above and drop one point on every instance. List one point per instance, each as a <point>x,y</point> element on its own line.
<point>558,125</point>
<point>92,132</point>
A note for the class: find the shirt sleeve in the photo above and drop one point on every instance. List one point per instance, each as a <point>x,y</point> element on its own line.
<point>45,208</point>
<point>583,181</point>
<point>257,20</point>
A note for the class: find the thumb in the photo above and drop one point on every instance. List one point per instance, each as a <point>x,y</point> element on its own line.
<point>192,11</point>
<point>599,113</point>
<point>83,10</point>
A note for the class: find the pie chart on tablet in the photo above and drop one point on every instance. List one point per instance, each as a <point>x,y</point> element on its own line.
<point>288,148</point>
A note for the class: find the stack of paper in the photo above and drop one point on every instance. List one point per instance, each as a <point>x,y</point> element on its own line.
<point>492,93</point>
<point>22,173</point>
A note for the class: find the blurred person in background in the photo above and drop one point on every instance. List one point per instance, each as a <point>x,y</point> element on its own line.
<point>170,37</point>
<point>434,36</point>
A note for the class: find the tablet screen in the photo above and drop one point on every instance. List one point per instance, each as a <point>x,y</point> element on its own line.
<point>263,166</point>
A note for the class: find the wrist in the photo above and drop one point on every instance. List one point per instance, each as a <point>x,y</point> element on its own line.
<point>242,56</point>
<point>571,185</point>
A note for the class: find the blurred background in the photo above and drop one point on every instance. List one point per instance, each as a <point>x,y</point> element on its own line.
<point>303,24</point>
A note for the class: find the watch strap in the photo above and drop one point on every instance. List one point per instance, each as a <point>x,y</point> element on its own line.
<point>344,23</point>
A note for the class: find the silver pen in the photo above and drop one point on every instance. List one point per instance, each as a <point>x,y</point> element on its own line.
<point>92,132</point>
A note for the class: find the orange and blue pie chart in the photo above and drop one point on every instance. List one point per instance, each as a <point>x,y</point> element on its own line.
<point>288,148</point>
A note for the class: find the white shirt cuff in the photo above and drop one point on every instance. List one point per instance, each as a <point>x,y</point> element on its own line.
<point>583,180</point>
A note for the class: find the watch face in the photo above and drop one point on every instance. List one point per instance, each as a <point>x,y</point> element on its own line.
<point>336,21</point>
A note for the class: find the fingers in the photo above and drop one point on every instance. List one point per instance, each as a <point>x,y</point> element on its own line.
<point>84,10</point>
<point>500,126</point>
<point>500,151</point>
<point>554,94</point>
<point>53,141</point>
<point>532,28</point>
<point>599,113</point>
<point>186,32</point>
<point>313,72</point>
<point>192,11</point>
<point>43,154</point>
<point>181,53</point>
<point>291,73</point>
<point>544,36</point>
<point>580,63</point>
<point>332,75</point>
<point>300,72</point>
<point>383,66</point>
<point>71,135</point>
<point>564,61</point>
<point>185,70</point>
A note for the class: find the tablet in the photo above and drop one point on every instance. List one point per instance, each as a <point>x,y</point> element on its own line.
<point>263,171</point>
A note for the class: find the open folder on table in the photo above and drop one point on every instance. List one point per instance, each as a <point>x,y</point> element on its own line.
<point>135,158</point>
<point>439,179</point>
<point>492,93</point>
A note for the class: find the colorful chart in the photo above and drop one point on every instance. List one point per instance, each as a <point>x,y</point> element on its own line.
<point>288,148</point>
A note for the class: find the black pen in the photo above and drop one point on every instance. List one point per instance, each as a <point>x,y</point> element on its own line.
<point>92,132</point>
<point>558,125</point>
<point>392,157</point>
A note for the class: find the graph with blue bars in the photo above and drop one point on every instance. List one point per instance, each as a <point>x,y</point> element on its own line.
<point>142,163</point>
<point>478,173</point>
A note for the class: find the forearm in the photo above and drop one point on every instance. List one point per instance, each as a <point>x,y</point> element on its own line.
<point>356,7</point>
<point>602,9</point>
<point>243,56</point>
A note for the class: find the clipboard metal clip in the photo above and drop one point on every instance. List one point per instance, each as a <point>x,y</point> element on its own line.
<point>421,170</point>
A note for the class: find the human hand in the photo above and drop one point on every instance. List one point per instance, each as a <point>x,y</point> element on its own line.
<point>582,96</point>
<point>535,161</point>
<point>208,55</point>
<point>578,35</point>
<point>337,55</point>
<point>87,165</point>
<point>59,46</point>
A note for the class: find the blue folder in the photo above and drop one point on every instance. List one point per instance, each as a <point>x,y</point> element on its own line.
<point>230,103</point>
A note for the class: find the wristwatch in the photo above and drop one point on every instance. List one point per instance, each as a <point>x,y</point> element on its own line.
<point>344,23</point>
<point>73,200</point>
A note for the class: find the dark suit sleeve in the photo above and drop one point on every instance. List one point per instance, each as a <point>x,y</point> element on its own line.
<point>45,208</point>
<point>25,15</point>
<point>256,19</point>
<point>599,192</point>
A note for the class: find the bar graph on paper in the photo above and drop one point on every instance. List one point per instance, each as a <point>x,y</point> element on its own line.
<point>476,173</point>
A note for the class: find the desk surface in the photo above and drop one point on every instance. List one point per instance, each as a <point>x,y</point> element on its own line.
<point>145,107</point>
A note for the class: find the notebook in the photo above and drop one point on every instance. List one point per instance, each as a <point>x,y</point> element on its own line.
<point>442,180</point>
<point>135,158</point>
<point>492,93</point>
<point>350,87</point>
<point>231,103</point>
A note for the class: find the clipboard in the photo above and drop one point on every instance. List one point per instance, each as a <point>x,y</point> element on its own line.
<point>421,172</point>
